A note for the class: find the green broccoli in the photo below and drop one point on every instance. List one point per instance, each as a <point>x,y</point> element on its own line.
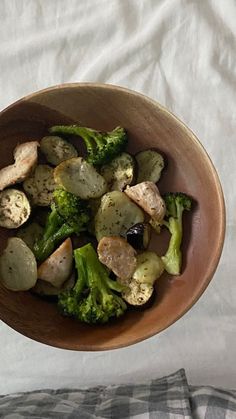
<point>69,214</point>
<point>176,203</point>
<point>92,299</point>
<point>102,147</point>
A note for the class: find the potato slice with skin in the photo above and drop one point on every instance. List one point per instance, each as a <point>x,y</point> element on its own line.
<point>14,208</point>
<point>80,178</point>
<point>57,149</point>
<point>57,268</point>
<point>41,185</point>
<point>18,267</point>
<point>116,214</point>
<point>25,156</point>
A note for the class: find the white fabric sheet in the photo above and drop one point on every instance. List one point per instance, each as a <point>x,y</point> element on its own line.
<point>181,53</point>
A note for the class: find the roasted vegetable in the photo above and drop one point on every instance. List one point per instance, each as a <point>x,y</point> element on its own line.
<point>80,178</point>
<point>120,172</point>
<point>117,255</point>
<point>57,268</point>
<point>40,185</point>
<point>57,149</point>
<point>116,214</point>
<point>149,267</point>
<point>92,300</point>
<point>102,147</point>
<point>69,214</point>
<point>140,287</point>
<point>150,166</point>
<point>25,156</point>
<point>14,208</point>
<point>18,267</point>
<point>176,204</point>
<point>147,196</point>
<point>139,235</point>
<point>30,234</point>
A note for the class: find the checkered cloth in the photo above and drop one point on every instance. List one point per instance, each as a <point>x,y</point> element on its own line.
<point>166,398</point>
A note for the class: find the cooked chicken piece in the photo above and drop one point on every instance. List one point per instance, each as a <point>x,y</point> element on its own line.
<point>117,255</point>
<point>147,196</point>
<point>57,268</point>
<point>25,156</point>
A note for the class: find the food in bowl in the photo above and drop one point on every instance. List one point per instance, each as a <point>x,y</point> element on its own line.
<point>109,195</point>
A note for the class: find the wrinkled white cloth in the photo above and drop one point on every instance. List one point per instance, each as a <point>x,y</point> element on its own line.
<point>183,54</point>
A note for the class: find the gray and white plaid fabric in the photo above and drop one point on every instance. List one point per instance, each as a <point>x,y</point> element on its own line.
<point>166,398</point>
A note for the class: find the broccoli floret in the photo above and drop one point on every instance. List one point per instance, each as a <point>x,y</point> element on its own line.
<point>92,299</point>
<point>69,214</point>
<point>72,209</point>
<point>176,203</point>
<point>102,147</point>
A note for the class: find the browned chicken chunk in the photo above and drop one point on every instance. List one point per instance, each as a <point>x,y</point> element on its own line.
<point>25,156</point>
<point>117,255</point>
<point>147,196</point>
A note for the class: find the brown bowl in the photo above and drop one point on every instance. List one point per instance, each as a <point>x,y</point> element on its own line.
<point>189,170</point>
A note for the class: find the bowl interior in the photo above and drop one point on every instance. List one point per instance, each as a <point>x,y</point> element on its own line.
<point>189,170</point>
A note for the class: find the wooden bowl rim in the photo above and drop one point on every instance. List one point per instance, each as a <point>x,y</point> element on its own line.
<point>222,210</point>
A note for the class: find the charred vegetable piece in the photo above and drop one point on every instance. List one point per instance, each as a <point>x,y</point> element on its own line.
<point>150,166</point>
<point>139,235</point>
<point>18,267</point>
<point>116,214</point>
<point>57,149</point>
<point>147,196</point>
<point>40,186</point>
<point>80,178</point>
<point>102,147</point>
<point>120,172</point>
<point>117,255</point>
<point>25,156</point>
<point>30,234</point>
<point>14,208</point>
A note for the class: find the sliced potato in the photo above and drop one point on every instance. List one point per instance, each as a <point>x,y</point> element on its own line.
<point>80,178</point>
<point>57,268</point>
<point>30,234</point>
<point>25,156</point>
<point>116,214</point>
<point>14,208</point>
<point>18,267</point>
<point>56,149</point>
<point>120,172</point>
<point>41,185</point>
